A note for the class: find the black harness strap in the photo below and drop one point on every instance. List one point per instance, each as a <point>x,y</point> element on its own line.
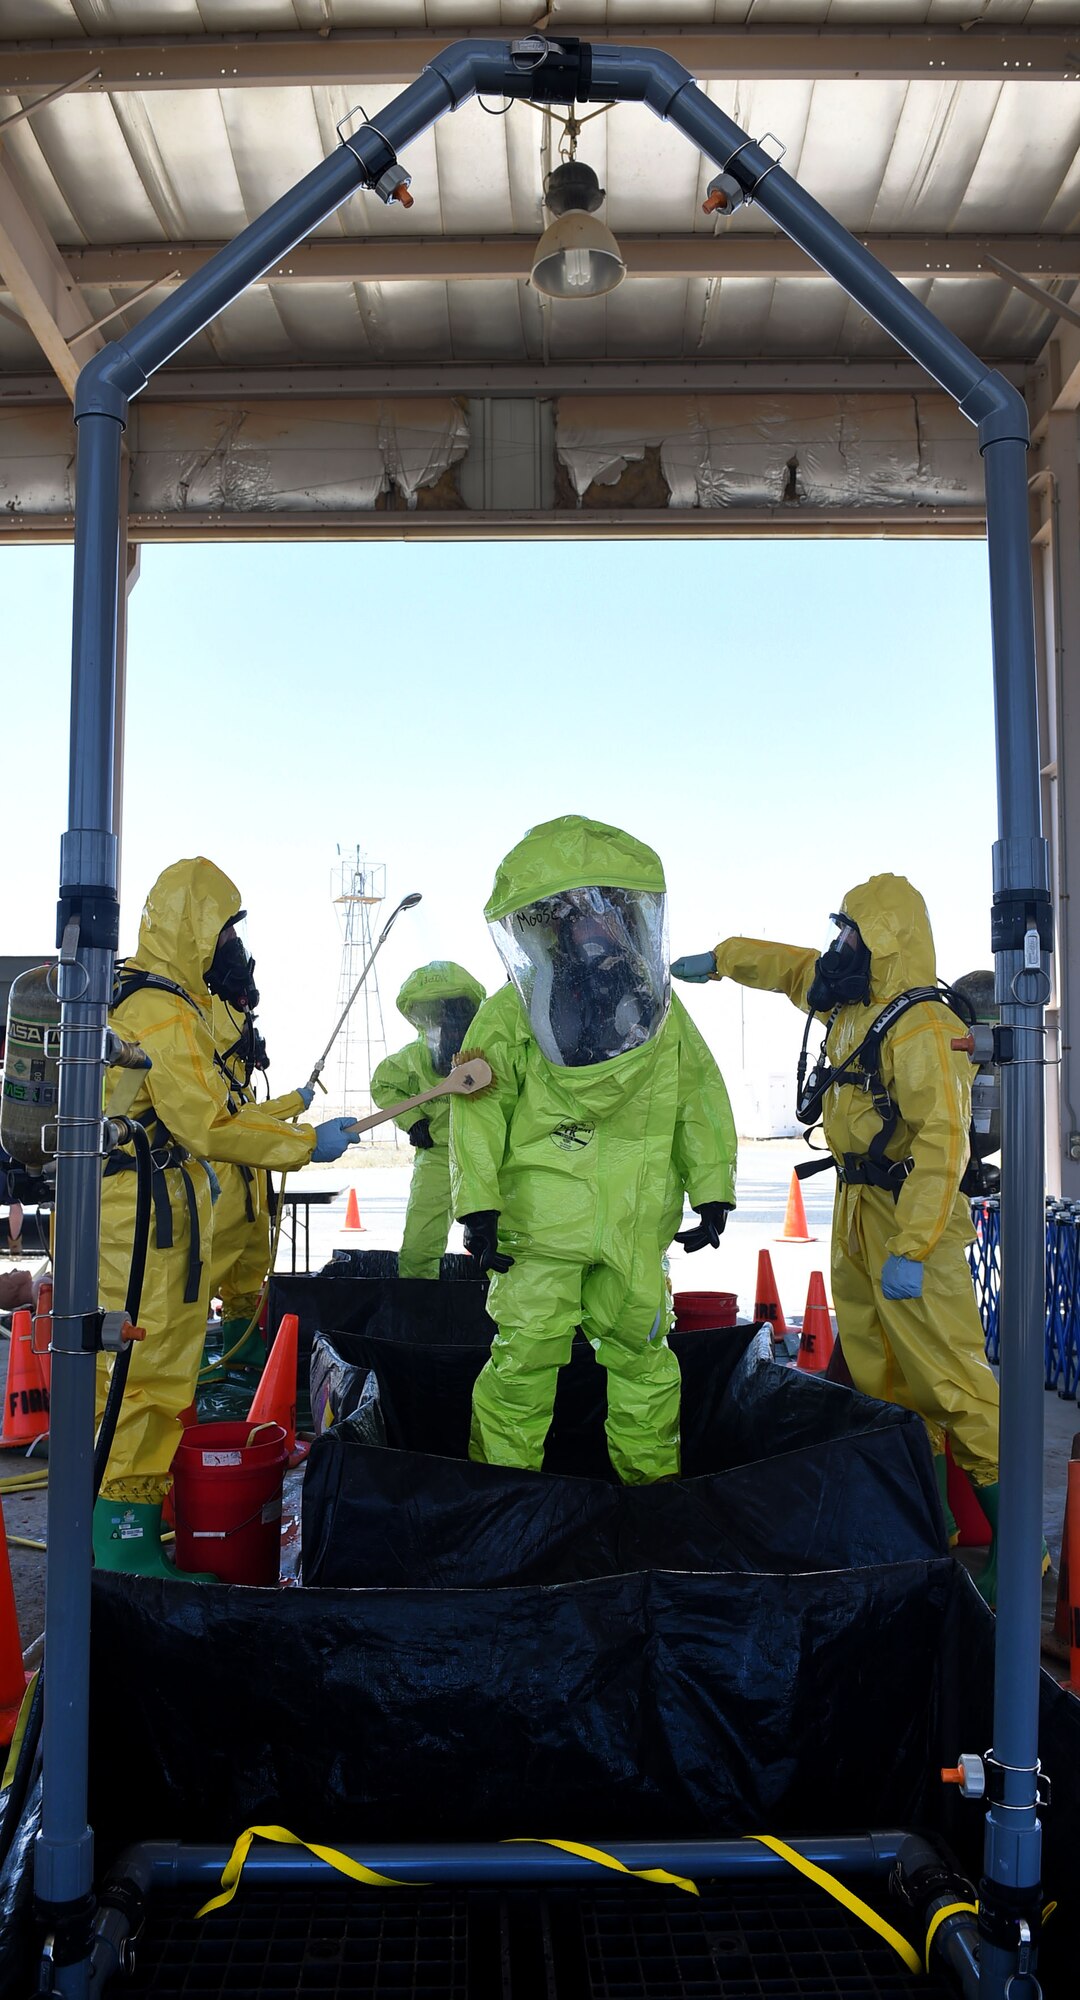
<point>164,1151</point>
<point>861,1070</point>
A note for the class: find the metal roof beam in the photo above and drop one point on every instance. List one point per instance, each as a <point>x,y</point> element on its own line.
<point>561,524</point>
<point>557,378</point>
<point>213,62</point>
<point>734,254</point>
<point>36,276</point>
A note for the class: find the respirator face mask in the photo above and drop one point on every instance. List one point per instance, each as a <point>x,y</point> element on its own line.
<point>842,973</point>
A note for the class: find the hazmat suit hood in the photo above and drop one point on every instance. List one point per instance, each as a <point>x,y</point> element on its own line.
<point>578,915</point>
<point>439,1000</point>
<point>895,927</point>
<point>441,980</point>
<point>183,917</point>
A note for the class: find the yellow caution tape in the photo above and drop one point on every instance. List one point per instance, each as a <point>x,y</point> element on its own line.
<point>843,1895</point>
<point>20,1731</point>
<point>355,1870</point>
<point>345,1865</point>
<point>938,1918</point>
<point>603,1860</point>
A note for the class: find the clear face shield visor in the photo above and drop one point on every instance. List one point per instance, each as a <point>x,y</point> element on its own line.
<point>444,1025</point>
<point>591,968</point>
<point>845,947</point>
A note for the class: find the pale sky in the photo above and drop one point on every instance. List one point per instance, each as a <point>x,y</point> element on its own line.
<point>778,719</point>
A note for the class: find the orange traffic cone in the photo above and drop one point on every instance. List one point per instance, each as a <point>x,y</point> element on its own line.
<point>13,1676</point>
<point>275,1398</point>
<point>26,1402</point>
<point>1065,1585</point>
<point>816,1344</point>
<point>41,1338</point>
<point>767,1302</point>
<point>795,1230</point>
<point>352,1212</point>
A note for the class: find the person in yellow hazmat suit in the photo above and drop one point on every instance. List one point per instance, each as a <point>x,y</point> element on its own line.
<point>240,1258</point>
<point>570,1172</point>
<point>905,1305</point>
<point>162,1000</point>
<point>439,1000</point>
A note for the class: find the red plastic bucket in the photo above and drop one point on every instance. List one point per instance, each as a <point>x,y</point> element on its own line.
<point>227,1488</point>
<point>703,1312</point>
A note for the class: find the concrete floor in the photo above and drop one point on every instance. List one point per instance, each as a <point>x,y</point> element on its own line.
<point>381,1181</point>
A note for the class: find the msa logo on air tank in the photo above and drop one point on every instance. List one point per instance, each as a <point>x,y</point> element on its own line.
<point>570,1138</point>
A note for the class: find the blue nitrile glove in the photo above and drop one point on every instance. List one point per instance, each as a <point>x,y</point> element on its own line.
<point>332,1138</point>
<point>305,1092</point>
<point>901,1278</point>
<point>215,1184</point>
<point>696,969</point>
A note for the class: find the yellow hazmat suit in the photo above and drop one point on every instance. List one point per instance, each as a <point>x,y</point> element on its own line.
<point>588,1166</point>
<point>183,1101</point>
<point>923,1353</point>
<point>412,1070</point>
<point>241,1247</point>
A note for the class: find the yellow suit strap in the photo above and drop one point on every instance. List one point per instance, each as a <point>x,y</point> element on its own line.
<point>850,1901</point>
<point>345,1865</point>
<point>603,1860</point>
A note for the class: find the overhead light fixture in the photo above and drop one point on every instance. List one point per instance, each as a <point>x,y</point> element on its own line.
<point>577,256</point>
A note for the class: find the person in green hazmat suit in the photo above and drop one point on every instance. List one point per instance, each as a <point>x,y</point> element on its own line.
<point>438,1000</point>
<point>188,946</point>
<point>240,1257</point>
<point>905,1305</point>
<point>570,1172</point>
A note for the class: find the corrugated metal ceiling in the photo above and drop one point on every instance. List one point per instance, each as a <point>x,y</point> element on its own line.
<point>194,165</point>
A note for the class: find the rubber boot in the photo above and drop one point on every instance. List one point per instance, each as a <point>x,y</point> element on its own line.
<point>941,1468</point>
<point>988,1497</point>
<point>252,1350</point>
<point>127,1537</point>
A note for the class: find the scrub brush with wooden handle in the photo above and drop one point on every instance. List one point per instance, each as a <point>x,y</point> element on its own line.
<point>470,1074</point>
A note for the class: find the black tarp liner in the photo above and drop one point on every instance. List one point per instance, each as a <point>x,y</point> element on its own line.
<point>405,1308</point>
<point>453,1266</point>
<point>781,1471</point>
<point>647,1705</point>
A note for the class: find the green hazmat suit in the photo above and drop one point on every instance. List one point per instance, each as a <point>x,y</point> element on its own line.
<point>588,1166</point>
<point>926,1354</point>
<point>406,1074</point>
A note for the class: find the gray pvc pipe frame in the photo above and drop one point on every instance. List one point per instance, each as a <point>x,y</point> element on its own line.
<point>159,1865</point>
<point>105,388</point>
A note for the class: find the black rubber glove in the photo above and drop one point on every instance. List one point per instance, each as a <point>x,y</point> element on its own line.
<point>420,1135</point>
<point>481,1240</point>
<point>707,1233</point>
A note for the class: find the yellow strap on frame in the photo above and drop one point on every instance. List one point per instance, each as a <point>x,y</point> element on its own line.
<point>603,1860</point>
<point>938,1918</point>
<point>846,1896</point>
<point>355,1870</point>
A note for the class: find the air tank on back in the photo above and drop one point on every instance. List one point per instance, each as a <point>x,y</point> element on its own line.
<point>978,990</point>
<point>31,1072</point>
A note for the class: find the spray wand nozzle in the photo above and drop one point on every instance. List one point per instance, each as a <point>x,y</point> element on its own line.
<point>407,903</point>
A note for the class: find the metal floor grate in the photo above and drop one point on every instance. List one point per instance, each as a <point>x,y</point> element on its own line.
<point>325,1946</point>
<point>741,1943</point>
<point>733,1943</point>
